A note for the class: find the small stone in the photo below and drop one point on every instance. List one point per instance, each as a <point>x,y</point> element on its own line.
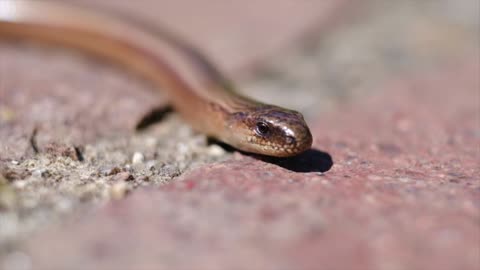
<point>118,190</point>
<point>151,165</point>
<point>110,171</point>
<point>14,162</point>
<point>138,158</point>
<point>144,178</point>
<point>215,151</point>
<point>123,176</point>
<point>39,173</point>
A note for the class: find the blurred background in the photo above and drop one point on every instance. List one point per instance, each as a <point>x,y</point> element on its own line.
<point>319,57</point>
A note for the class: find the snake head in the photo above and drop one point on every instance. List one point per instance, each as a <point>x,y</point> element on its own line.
<point>270,130</point>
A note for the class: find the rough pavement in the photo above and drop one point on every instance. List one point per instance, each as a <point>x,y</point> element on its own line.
<point>399,155</point>
<point>403,193</point>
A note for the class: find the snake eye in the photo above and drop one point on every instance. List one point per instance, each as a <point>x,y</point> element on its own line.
<point>262,128</point>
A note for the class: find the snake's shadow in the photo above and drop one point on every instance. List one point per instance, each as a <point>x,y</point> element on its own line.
<point>155,115</point>
<point>312,160</point>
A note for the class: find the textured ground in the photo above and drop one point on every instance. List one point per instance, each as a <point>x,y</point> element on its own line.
<point>391,90</point>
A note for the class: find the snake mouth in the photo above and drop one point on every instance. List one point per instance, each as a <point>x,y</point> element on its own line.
<point>275,149</point>
<point>295,149</point>
<point>287,151</point>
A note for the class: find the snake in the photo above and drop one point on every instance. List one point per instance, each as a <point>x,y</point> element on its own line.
<point>196,89</point>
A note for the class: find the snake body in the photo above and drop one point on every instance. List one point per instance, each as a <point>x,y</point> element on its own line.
<point>196,89</point>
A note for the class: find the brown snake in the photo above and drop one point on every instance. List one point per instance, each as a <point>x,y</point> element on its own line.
<point>197,90</point>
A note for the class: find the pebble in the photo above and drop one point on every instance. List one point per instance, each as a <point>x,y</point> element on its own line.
<point>39,173</point>
<point>138,158</point>
<point>215,151</point>
<point>122,177</point>
<point>110,171</point>
<point>151,165</point>
<point>118,190</point>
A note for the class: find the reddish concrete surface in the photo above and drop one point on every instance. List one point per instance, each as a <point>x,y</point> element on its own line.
<point>403,193</point>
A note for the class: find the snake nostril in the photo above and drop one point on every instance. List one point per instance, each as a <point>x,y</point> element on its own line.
<point>290,140</point>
